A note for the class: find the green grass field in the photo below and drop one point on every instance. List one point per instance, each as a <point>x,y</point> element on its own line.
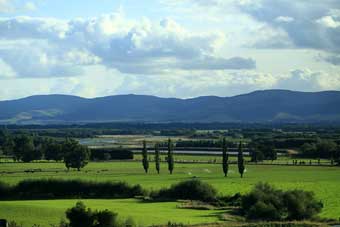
<point>47,212</point>
<point>323,181</point>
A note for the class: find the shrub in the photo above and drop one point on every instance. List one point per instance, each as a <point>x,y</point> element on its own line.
<point>263,202</point>
<point>57,188</point>
<point>105,218</point>
<point>190,189</point>
<point>301,205</point>
<point>267,203</point>
<point>234,200</point>
<point>75,155</point>
<point>79,216</point>
<point>4,190</point>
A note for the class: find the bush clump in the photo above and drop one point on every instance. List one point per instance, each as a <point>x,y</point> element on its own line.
<point>80,216</point>
<point>189,190</point>
<point>4,190</point>
<point>267,203</point>
<point>59,189</point>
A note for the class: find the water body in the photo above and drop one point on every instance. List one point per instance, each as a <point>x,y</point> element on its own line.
<point>97,141</point>
<point>193,152</point>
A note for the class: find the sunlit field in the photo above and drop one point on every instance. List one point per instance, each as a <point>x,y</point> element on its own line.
<point>47,212</point>
<point>323,181</point>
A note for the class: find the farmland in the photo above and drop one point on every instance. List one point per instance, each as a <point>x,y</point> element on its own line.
<point>46,212</point>
<point>323,181</point>
<point>170,113</point>
<point>302,160</point>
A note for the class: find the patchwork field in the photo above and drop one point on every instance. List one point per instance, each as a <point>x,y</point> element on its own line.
<point>323,181</point>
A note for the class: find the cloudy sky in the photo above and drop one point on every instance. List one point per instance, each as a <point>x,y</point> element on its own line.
<point>168,48</point>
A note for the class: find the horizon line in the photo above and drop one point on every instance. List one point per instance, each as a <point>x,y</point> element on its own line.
<point>188,98</point>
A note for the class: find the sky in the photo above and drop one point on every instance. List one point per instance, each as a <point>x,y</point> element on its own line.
<point>167,48</point>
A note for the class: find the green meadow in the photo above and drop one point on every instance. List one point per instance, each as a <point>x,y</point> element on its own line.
<point>47,212</point>
<point>323,181</point>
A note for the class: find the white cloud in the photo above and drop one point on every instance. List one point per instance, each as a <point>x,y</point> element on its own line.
<point>289,24</point>
<point>206,47</point>
<point>284,19</point>
<point>81,57</point>
<point>50,47</point>
<point>12,6</point>
<point>38,59</point>
<point>6,70</point>
<point>96,81</point>
<point>303,31</point>
<point>5,6</point>
<point>329,22</point>
<point>307,80</point>
<point>333,59</point>
<point>30,6</point>
<point>193,84</point>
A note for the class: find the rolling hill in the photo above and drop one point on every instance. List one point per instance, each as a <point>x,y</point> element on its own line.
<point>258,106</point>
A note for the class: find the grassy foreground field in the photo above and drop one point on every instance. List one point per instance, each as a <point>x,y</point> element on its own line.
<point>323,181</point>
<point>47,212</point>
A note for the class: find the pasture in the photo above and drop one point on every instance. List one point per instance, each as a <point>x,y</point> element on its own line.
<point>47,212</point>
<point>323,181</point>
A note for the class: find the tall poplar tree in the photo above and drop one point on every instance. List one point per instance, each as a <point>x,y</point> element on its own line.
<point>170,158</point>
<point>240,160</point>
<point>225,157</point>
<point>157,158</point>
<point>145,157</point>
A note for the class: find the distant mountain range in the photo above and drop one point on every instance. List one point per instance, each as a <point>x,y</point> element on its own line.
<point>258,106</point>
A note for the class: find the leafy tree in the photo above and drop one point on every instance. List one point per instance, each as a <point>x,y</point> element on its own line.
<point>257,155</point>
<point>337,155</point>
<point>326,149</point>
<point>53,151</point>
<point>263,202</point>
<point>301,205</point>
<point>145,157</point>
<point>225,157</point>
<point>6,142</point>
<point>267,203</point>
<point>309,150</point>
<point>79,216</point>
<point>193,189</point>
<point>170,157</point>
<point>24,149</point>
<point>105,218</point>
<point>157,158</point>
<point>75,155</point>
<point>262,151</point>
<point>240,160</point>
<point>3,135</point>
<point>269,152</point>
<point>320,149</point>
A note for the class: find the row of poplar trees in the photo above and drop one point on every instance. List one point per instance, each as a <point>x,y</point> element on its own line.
<point>225,157</point>
<point>170,158</point>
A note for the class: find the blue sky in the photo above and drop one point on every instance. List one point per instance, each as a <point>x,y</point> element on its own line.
<point>168,48</point>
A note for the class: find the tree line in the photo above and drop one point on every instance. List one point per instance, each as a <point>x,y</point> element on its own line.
<point>321,149</point>
<point>170,157</point>
<point>225,158</point>
<point>27,148</point>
